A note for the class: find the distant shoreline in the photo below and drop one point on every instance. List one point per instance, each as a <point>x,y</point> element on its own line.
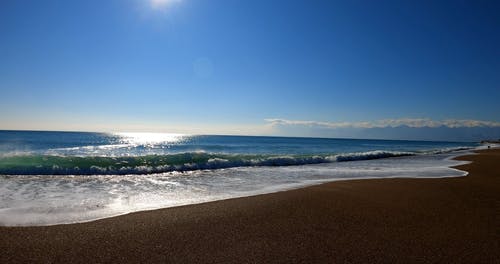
<point>490,142</point>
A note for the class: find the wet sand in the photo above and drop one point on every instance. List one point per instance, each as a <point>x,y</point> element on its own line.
<point>448,220</point>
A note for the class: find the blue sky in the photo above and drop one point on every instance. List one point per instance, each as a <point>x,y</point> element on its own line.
<point>248,67</point>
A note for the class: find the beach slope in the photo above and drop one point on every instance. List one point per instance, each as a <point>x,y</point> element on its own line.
<point>448,220</point>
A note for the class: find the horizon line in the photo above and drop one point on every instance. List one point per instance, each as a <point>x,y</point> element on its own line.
<point>236,135</point>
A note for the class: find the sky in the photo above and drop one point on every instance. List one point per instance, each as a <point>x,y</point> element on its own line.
<point>290,68</point>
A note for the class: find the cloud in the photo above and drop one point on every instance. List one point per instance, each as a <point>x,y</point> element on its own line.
<point>161,4</point>
<point>387,123</point>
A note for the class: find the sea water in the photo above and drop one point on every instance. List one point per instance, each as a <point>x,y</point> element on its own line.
<point>51,178</point>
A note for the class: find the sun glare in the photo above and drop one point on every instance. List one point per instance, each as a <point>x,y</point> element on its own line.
<point>150,138</point>
<point>160,4</point>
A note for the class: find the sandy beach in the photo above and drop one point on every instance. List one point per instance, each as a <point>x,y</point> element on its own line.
<point>447,220</point>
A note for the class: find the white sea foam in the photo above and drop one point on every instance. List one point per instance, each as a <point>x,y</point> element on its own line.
<point>49,200</point>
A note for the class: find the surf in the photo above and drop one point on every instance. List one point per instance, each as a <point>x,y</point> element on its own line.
<point>181,162</point>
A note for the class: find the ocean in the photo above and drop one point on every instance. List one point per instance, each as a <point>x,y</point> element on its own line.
<point>51,178</point>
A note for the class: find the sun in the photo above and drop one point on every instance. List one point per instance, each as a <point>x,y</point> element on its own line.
<point>161,4</point>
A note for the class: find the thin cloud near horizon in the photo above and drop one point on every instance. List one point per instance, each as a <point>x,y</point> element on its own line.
<point>387,123</point>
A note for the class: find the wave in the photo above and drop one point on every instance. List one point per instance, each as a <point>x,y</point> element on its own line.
<point>35,164</point>
<point>378,154</point>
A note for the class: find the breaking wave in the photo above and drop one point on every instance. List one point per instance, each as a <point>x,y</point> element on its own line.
<point>36,164</point>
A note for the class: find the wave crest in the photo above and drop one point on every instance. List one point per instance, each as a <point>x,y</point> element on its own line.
<point>33,164</point>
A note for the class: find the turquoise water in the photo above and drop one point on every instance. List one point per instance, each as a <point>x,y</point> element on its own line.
<point>65,177</point>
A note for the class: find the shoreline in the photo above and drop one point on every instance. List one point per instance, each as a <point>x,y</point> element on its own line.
<point>415,173</point>
<point>451,219</point>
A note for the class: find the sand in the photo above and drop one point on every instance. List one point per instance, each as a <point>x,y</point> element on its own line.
<point>448,220</point>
